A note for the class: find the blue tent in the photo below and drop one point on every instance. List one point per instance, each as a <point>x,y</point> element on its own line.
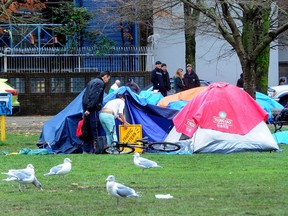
<point>60,131</point>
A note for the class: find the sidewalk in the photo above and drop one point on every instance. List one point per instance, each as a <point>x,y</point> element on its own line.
<point>25,124</point>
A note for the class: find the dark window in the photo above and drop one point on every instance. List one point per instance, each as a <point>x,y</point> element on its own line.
<point>77,84</point>
<point>58,85</point>
<point>18,83</point>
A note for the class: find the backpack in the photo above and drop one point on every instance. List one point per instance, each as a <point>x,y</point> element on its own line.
<point>83,130</point>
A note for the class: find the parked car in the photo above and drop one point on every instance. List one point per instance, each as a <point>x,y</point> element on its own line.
<point>5,88</point>
<point>279,93</point>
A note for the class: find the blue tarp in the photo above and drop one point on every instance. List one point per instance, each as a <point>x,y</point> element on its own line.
<point>267,103</point>
<point>281,137</point>
<point>60,131</point>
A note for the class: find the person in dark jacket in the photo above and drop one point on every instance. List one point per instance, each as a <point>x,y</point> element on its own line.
<point>92,103</point>
<point>240,82</point>
<point>166,79</point>
<point>191,79</point>
<point>178,81</point>
<point>157,78</point>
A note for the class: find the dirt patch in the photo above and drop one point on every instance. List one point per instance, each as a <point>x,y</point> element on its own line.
<point>25,124</point>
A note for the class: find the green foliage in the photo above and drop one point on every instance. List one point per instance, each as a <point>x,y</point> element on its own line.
<point>202,184</point>
<point>75,20</point>
<point>103,45</point>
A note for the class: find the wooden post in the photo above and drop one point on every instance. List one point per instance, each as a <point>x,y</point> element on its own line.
<point>3,128</point>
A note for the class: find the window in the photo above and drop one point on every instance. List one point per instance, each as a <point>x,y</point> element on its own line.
<point>37,85</point>
<point>58,85</point>
<point>18,83</point>
<point>77,84</point>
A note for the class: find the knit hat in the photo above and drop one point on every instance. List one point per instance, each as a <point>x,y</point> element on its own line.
<point>163,64</point>
<point>158,62</point>
<point>189,65</point>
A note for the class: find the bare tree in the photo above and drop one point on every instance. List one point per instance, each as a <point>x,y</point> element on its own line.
<point>249,27</point>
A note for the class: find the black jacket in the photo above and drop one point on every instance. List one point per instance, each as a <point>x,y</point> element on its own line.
<point>191,80</point>
<point>93,96</point>
<point>166,79</point>
<point>157,79</point>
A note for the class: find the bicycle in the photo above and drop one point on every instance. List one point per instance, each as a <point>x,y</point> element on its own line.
<point>117,147</point>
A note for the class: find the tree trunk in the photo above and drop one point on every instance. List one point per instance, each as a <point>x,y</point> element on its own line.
<point>248,66</point>
<point>262,26</point>
<point>249,78</point>
<point>190,26</point>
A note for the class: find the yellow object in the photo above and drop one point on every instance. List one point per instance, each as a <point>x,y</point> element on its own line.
<point>131,134</point>
<point>13,153</point>
<point>3,128</point>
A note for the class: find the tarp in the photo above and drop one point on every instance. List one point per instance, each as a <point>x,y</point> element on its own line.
<point>267,103</point>
<point>151,96</point>
<point>60,131</point>
<point>181,96</point>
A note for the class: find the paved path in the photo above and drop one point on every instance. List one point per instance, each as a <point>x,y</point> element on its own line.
<point>25,124</point>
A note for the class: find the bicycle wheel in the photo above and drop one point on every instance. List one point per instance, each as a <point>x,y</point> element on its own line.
<point>119,149</point>
<point>164,146</point>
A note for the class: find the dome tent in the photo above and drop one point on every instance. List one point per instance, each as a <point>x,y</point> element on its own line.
<point>217,121</point>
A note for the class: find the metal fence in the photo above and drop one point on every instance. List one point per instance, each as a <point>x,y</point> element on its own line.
<point>86,59</point>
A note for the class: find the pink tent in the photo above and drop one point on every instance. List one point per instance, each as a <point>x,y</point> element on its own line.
<point>221,107</point>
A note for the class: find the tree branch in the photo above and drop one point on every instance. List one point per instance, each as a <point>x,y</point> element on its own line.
<point>266,42</point>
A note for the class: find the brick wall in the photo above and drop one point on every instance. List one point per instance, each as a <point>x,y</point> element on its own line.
<point>51,103</point>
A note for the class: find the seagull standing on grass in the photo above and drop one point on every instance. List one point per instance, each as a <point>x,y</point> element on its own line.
<point>118,190</point>
<point>61,169</point>
<point>23,176</point>
<point>144,163</point>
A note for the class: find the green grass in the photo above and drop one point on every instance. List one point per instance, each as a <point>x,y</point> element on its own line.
<point>202,184</point>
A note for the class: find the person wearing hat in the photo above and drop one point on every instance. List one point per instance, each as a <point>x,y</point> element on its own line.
<point>157,79</point>
<point>166,79</point>
<point>190,79</point>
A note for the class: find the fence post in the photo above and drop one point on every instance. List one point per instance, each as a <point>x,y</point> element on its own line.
<point>3,128</point>
<point>5,60</point>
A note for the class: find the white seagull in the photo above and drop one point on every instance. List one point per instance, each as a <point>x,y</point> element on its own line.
<point>61,169</point>
<point>119,190</point>
<point>23,176</point>
<point>144,163</point>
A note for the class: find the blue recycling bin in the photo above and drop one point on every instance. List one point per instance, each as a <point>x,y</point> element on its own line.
<point>5,104</point>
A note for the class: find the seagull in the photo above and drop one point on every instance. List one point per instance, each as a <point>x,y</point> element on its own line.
<point>144,163</point>
<point>23,176</point>
<point>61,169</point>
<point>118,190</point>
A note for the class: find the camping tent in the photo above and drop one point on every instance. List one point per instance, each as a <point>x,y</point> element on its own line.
<point>218,122</point>
<point>60,131</point>
<point>179,100</point>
